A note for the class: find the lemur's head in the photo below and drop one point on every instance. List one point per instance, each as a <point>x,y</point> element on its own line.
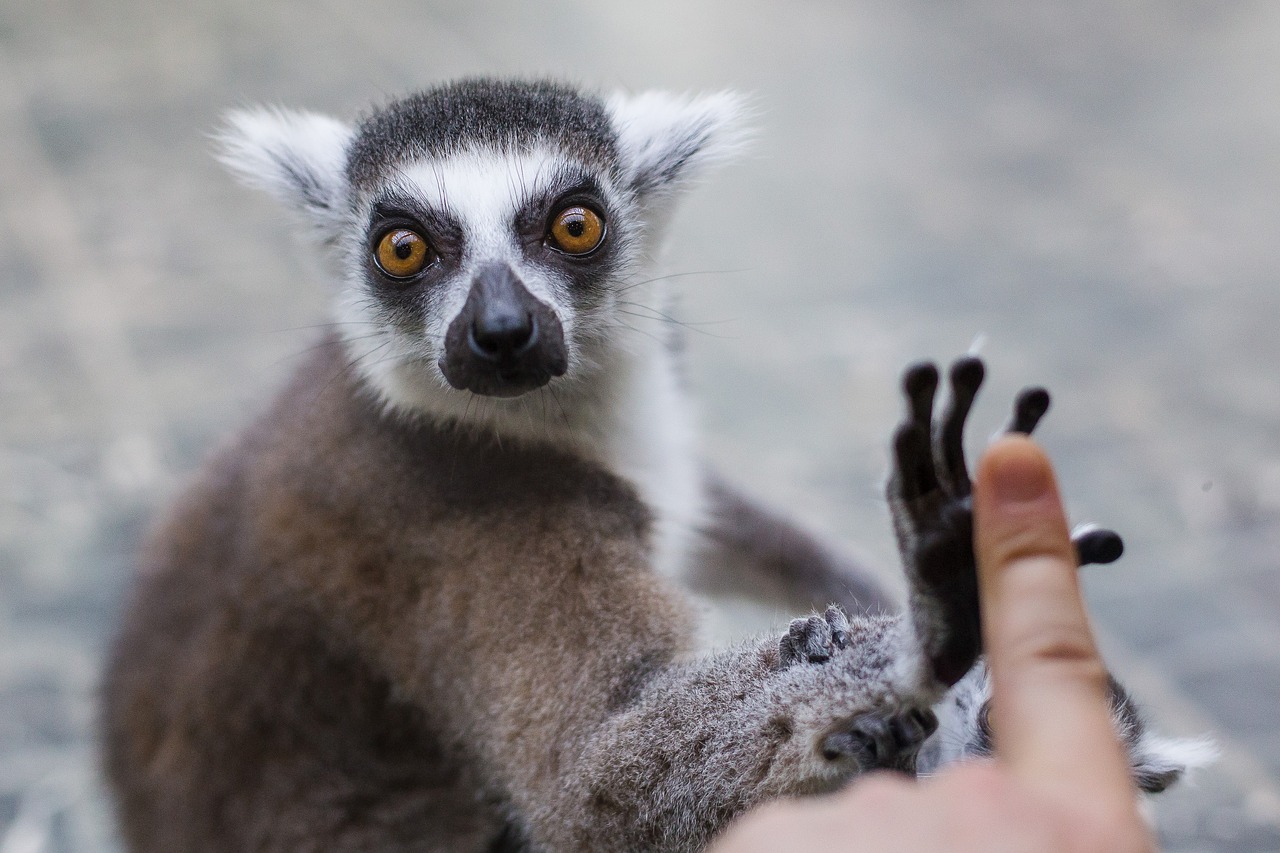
<point>487,231</point>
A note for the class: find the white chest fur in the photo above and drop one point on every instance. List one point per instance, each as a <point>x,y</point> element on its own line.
<point>632,417</point>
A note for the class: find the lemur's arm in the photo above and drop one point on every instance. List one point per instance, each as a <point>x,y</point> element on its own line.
<point>703,741</point>
<point>780,717</point>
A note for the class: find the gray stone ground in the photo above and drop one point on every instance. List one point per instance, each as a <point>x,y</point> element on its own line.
<point>1093,186</point>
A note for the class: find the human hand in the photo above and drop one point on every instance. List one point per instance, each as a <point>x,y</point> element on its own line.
<point>1059,780</point>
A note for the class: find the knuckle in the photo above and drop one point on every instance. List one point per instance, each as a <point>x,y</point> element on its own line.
<point>1037,542</point>
<point>1068,648</point>
<point>1042,619</point>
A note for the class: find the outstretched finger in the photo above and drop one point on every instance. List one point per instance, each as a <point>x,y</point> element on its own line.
<point>913,464</point>
<point>966,378</point>
<point>1028,408</point>
<point>1096,545</point>
<point>1050,717</point>
<point>919,384</point>
<point>913,456</point>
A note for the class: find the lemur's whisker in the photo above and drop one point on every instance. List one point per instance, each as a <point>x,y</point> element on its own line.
<point>564,416</point>
<point>333,324</point>
<point>669,276</point>
<point>672,322</point>
<point>655,314</point>
<point>626,325</point>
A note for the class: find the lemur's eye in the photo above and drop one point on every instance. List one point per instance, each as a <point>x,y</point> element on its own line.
<point>577,230</point>
<point>402,253</point>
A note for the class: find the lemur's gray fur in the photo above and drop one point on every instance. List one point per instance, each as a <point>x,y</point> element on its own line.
<point>427,603</point>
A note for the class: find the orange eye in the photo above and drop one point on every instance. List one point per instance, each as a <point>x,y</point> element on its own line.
<point>402,253</point>
<point>577,230</point>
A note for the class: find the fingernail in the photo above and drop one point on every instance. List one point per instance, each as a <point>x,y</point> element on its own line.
<point>1021,474</point>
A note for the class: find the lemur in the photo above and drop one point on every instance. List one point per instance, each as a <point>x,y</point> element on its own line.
<point>429,600</point>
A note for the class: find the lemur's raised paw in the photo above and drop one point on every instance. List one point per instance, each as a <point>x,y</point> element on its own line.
<point>929,496</point>
<point>814,639</point>
<point>881,741</point>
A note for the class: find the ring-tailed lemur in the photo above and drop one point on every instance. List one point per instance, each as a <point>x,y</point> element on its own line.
<point>425,602</point>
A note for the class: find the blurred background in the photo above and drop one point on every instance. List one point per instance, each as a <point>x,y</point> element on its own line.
<point>1094,187</point>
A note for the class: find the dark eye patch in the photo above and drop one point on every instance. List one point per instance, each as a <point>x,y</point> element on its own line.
<point>441,229</point>
<point>533,217</point>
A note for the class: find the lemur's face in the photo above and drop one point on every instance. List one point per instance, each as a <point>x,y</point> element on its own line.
<point>500,268</point>
<point>487,231</point>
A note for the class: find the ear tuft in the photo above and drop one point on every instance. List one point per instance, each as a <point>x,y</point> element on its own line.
<point>666,139</point>
<point>297,157</point>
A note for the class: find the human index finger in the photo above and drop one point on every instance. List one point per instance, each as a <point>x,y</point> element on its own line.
<point>1050,717</point>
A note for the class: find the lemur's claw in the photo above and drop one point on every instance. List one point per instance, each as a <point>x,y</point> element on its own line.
<point>814,639</point>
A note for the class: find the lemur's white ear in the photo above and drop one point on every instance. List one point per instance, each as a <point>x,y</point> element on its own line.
<point>667,139</point>
<point>298,157</point>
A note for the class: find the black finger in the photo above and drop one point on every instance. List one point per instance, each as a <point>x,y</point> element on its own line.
<point>1096,545</point>
<point>966,378</point>
<point>913,463</point>
<point>1028,409</point>
<point>919,385</point>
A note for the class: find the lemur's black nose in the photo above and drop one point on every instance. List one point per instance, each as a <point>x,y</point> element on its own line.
<point>503,325</point>
<point>504,341</point>
<point>503,333</point>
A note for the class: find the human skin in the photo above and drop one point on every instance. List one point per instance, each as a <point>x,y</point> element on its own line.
<point>1059,781</point>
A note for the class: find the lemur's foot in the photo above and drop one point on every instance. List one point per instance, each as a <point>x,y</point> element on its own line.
<point>887,737</point>
<point>814,639</point>
<point>930,498</point>
<point>888,741</point>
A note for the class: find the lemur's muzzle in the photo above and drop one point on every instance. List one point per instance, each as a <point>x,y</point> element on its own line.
<point>504,341</point>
